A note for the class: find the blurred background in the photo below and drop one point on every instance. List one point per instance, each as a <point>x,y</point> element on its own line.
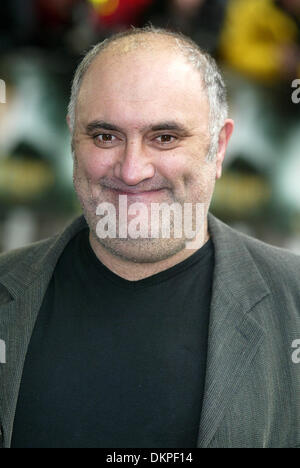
<point>257,45</point>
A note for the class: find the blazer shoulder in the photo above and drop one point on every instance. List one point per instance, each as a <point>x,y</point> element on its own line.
<point>28,254</point>
<point>25,264</point>
<point>275,262</point>
<point>268,256</point>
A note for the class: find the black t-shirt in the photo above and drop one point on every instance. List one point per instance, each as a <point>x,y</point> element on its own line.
<point>115,363</point>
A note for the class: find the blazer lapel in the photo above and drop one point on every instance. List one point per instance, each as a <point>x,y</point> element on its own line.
<point>26,285</point>
<point>234,336</point>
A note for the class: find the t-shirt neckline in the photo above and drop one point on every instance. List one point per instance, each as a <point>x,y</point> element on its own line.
<point>88,255</point>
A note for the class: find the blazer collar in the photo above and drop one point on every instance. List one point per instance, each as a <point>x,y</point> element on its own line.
<point>234,336</point>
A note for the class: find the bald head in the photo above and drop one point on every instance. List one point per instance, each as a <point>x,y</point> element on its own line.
<point>158,41</point>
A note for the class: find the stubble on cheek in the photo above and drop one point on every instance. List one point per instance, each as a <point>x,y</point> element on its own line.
<point>83,187</point>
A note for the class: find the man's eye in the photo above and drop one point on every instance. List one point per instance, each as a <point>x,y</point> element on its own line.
<point>104,138</point>
<point>166,139</point>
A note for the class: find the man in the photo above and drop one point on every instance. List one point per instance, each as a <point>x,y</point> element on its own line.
<point>127,340</point>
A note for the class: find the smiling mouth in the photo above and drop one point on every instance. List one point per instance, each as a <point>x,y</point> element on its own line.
<point>144,192</point>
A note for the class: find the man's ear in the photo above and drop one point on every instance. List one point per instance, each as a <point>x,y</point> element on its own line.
<point>224,138</point>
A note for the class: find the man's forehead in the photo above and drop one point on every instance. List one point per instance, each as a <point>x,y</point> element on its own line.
<point>141,50</point>
<point>141,42</point>
<point>128,65</point>
<point>142,82</point>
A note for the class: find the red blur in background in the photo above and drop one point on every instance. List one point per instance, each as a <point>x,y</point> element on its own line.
<point>125,12</point>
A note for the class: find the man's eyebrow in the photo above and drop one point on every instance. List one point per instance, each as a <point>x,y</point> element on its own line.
<point>170,125</point>
<point>99,124</point>
<point>167,125</point>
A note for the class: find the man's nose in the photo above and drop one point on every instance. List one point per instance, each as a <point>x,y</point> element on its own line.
<point>134,165</point>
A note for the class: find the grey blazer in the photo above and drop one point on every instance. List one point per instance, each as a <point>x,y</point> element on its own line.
<point>252,389</point>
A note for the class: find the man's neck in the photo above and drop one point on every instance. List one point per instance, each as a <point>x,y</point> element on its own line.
<point>133,271</point>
